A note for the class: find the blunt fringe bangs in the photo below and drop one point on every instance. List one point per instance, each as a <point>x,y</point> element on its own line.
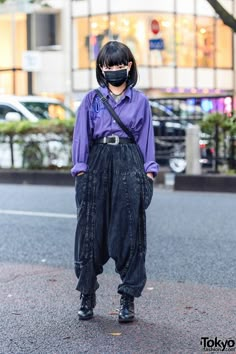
<point>116,53</point>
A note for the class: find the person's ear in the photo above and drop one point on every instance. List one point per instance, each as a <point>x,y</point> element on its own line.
<point>130,64</point>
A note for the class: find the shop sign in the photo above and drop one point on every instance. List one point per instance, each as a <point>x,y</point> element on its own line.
<point>156,43</point>
<point>155,27</point>
<point>31,61</point>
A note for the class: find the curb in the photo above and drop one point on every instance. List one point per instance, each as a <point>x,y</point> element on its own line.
<point>37,177</point>
<point>205,183</point>
<point>44,177</point>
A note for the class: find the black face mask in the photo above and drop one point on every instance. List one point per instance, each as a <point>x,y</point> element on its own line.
<point>116,77</point>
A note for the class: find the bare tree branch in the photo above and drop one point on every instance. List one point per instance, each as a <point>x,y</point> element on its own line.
<point>225,16</point>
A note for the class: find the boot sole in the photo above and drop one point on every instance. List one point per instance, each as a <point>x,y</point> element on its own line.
<point>85,318</point>
<point>125,320</point>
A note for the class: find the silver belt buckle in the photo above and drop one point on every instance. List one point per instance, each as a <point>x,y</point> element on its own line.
<point>117,139</point>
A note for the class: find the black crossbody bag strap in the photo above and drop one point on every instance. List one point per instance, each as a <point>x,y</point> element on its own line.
<point>115,115</point>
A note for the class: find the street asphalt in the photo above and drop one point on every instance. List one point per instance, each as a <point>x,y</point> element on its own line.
<point>190,292</point>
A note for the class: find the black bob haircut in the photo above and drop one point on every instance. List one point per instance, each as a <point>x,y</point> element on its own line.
<point>116,53</point>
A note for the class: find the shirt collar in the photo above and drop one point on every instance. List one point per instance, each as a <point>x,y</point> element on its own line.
<point>105,92</point>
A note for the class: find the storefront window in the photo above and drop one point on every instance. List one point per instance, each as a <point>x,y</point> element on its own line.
<point>132,29</point>
<point>165,57</point>
<point>81,42</point>
<point>13,39</point>
<point>13,82</point>
<point>21,84</point>
<point>205,42</point>
<point>6,82</point>
<point>192,39</point>
<point>20,39</point>
<point>135,31</point>
<point>224,46</point>
<point>6,57</point>
<point>185,41</point>
<point>99,29</point>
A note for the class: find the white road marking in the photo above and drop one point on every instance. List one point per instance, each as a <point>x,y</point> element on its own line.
<point>35,213</point>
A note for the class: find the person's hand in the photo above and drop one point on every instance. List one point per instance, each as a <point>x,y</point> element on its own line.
<point>80,173</point>
<point>150,175</point>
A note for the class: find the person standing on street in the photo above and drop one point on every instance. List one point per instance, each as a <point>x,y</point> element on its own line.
<point>114,167</point>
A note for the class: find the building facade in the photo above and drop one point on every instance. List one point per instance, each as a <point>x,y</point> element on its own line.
<point>34,48</point>
<point>181,46</point>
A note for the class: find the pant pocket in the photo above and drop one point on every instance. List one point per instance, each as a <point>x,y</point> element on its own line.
<point>148,191</point>
<point>80,189</point>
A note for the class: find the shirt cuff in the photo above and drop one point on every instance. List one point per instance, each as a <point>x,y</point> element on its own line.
<point>151,166</point>
<point>78,167</point>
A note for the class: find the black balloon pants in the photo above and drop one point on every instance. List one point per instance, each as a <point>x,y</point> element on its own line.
<point>111,199</point>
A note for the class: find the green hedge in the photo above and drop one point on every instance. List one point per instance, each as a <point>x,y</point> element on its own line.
<point>41,127</point>
<point>228,124</point>
<point>33,156</point>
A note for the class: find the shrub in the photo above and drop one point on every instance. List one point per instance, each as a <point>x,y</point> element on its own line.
<point>26,134</point>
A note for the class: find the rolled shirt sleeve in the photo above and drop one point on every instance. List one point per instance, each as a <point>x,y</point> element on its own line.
<point>146,142</point>
<point>81,137</point>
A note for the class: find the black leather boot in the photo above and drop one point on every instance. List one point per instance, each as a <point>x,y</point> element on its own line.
<point>126,313</point>
<point>87,305</point>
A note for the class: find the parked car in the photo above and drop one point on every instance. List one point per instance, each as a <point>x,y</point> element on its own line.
<point>170,131</point>
<point>37,150</point>
<point>32,108</point>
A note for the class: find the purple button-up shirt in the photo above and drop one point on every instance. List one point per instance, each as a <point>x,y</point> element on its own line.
<point>94,121</point>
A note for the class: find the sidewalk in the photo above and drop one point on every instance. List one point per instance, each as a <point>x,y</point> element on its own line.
<point>39,315</point>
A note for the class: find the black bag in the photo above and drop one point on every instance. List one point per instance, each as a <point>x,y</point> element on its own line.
<point>148,182</point>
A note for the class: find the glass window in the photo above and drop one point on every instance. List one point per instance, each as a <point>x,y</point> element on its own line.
<point>185,40</point>
<point>20,38</point>
<point>224,45</point>
<point>13,82</point>
<point>205,42</point>
<point>6,82</point>
<point>4,109</point>
<point>47,29</point>
<point>12,48</point>
<point>6,57</point>
<point>81,42</point>
<point>48,110</point>
<point>135,31</point>
<point>165,57</point>
<point>132,29</point>
<point>21,83</point>
<point>99,30</point>
<point>13,38</point>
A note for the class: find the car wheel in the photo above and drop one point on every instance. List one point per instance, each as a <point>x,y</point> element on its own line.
<point>177,165</point>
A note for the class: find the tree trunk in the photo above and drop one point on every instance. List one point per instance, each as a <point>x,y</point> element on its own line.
<point>225,16</point>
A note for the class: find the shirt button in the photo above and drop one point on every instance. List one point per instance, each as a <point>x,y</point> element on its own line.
<point>114,121</point>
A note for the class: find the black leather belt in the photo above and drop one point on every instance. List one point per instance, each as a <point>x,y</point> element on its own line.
<point>113,140</point>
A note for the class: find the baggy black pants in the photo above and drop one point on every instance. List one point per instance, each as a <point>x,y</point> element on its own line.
<point>111,199</point>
